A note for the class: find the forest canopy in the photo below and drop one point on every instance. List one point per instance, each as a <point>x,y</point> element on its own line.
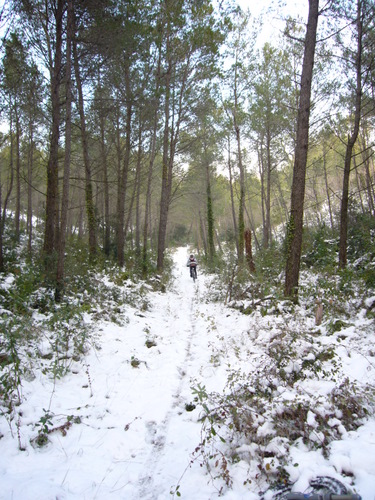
<point>133,126</point>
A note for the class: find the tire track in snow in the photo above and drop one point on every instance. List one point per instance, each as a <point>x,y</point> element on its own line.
<point>157,434</point>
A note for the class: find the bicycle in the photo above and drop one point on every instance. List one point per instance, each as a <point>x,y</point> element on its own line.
<point>321,488</point>
<point>193,271</point>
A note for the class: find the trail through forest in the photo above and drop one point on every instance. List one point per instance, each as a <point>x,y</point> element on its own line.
<point>135,437</point>
<point>122,423</point>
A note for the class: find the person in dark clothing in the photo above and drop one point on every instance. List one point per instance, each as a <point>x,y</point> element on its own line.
<point>192,264</point>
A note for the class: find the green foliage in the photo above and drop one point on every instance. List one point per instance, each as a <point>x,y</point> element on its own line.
<point>236,284</point>
<point>10,372</point>
<point>179,235</point>
<point>361,245</point>
<point>320,246</point>
<point>58,336</point>
<point>252,414</point>
<point>270,263</point>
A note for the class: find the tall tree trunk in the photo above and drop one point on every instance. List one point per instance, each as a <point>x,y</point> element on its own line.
<point>326,184</point>
<point>201,230</point>
<point>66,177</point>
<point>359,185</point>
<point>165,188</point>
<point>366,160</point>
<point>103,157</point>
<point>125,168</point>
<point>3,209</point>
<point>268,191</point>
<point>232,196</point>
<point>89,196</point>
<point>241,201</point>
<point>283,207</point>
<point>138,194</point>
<point>124,178</point>
<point>262,190</point>
<point>30,162</point>
<point>249,251</point>
<point>294,232</point>
<point>170,140</point>
<point>210,216</point>
<point>17,214</point>
<point>350,144</point>
<point>53,167</point>
<point>147,224</point>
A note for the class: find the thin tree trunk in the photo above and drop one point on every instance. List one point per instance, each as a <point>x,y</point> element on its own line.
<point>103,156</point>
<point>17,214</point>
<point>124,171</point>
<point>252,226</point>
<point>232,196</point>
<point>326,184</point>
<point>267,231</point>
<point>203,233</point>
<point>7,196</point>
<point>147,223</point>
<point>210,216</point>
<point>138,194</point>
<point>249,251</point>
<point>165,188</point>
<point>350,145</point>
<point>66,178</point>
<point>294,233</point>
<point>53,167</point>
<point>89,197</point>
<point>241,201</point>
<point>263,192</point>
<point>30,161</point>
<point>359,185</point>
<point>366,161</point>
<point>171,137</point>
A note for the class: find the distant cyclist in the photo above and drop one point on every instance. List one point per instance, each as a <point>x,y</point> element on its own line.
<point>192,263</point>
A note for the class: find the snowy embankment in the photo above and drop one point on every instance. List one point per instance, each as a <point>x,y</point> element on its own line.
<point>122,423</point>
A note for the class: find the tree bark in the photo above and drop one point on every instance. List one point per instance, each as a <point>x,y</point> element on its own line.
<point>166,174</point>
<point>3,210</point>
<point>103,157</point>
<point>232,196</point>
<point>17,214</point>
<point>241,201</point>
<point>124,170</point>
<point>366,156</point>
<point>210,215</point>
<point>89,196</point>
<point>249,251</point>
<point>294,232</point>
<point>66,177</point>
<point>138,194</point>
<point>170,140</point>
<point>350,144</point>
<point>147,225</point>
<point>30,162</point>
<point>53,167</point>
<point>327,185</point>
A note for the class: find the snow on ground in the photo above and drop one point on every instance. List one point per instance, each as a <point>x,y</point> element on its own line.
<point>124,429</point>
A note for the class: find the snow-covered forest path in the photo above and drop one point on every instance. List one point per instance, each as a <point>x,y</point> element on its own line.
<point>121,423</point>
<point>132,436</point>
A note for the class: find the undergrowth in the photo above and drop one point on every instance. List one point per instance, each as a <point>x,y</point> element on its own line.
<point>40,335</point>
<point>266,411</point>
<point>263,413</point>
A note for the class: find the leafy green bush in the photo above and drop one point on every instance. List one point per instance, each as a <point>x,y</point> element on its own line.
<point>320,246</point>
